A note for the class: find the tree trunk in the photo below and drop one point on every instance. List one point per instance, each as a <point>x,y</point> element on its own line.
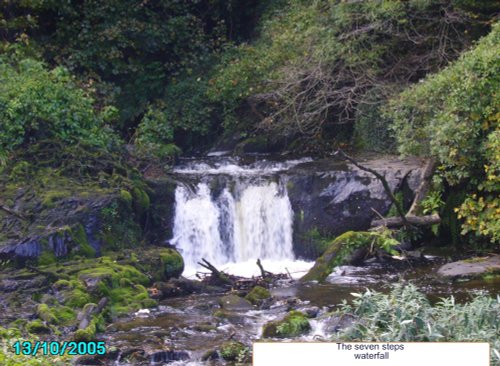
<point>396,222</point>
<point>423,188</point>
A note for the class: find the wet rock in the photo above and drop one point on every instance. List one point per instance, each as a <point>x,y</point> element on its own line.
<point>234,303</point>
<point>343,250</point>
<point>310,311</point>
<point>330,197</point>
<point>204,327</point>
<point>210,355</point>
<point>257,295</point>
<point>158,263</point>
<point>292,325</point>
<point>168,356</point>
<point>335,323</point>
<point>175,287</point>
<point>471,267</point>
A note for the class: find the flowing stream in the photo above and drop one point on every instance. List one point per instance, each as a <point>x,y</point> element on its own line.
<point>232,214</point>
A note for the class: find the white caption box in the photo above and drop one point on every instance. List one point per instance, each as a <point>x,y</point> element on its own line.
<point>383,354</point>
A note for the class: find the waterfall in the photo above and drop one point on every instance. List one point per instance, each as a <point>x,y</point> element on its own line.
<point>232,217</point>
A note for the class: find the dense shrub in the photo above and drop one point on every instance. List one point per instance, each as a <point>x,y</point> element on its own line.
<point>315,61</point>
<point>37,103</point>
<point>454,116</point>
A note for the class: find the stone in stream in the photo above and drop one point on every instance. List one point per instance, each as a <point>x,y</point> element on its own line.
<point>257,295</point>
<point>348,248</point>
<point>293,324</point>
<point>168,356</point>
<point>234,303</point>
<point>471,267</point>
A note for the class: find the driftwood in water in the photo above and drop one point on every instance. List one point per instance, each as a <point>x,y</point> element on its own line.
<point>219,278</point>
<point>396,222</point>
<point>263,272</point>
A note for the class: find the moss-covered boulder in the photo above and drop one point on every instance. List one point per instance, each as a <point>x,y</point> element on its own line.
<point>257,295</point>
<point>172,263</point>
<point>292,325</point>
<point>348,248</point>
<point>232,350</point>
<point>37,327</point>
<point>159,264</point>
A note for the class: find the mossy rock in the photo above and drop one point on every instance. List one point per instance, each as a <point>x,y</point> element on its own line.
<point>339,252</point>
<point>47,257</point>
<point>141,201</point>
<point>37,327</point>
<point>126,197</point>
<point>57,315</point>
<point>44,313</point>
<point>292,325</point>
<point>86,335</point>
<point>79,236</point>
<point>172,263</point>
<point>231,350</point>
<point>160,264</point>
<point>258,295</point>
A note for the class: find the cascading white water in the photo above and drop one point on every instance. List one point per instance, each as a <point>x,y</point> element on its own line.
<point>233,226</point>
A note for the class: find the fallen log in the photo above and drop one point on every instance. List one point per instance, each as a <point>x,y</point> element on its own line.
<point>217,277</point>
<point>263,272</point>
<point>396,222</point>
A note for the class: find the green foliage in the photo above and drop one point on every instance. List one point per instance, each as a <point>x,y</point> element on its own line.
<point>37,103</point>
<point>317,64</point>
<point>372,129</point>
<point>454,116</point>
<point>231,350</point>
<point>316,243</point>
<point>432,203</point>
<point>482,211</point>
<point>405,315</point>
<point>8,358</point>
<point>37,327</point>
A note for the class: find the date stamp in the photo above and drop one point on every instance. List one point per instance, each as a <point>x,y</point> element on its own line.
<point>59,348</point>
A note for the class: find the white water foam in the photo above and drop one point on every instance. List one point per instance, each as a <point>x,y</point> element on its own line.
<point>233,229</point>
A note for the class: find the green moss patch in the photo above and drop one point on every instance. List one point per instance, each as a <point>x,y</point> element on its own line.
<point>159,264</point>
<point>293,325</point>
<point>232,350</point>
<point>341,252</point>
<point>257,295</point>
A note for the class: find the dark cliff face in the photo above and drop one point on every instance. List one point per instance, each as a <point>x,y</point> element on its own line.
<point>86,222</point>
<point>329,197</point>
